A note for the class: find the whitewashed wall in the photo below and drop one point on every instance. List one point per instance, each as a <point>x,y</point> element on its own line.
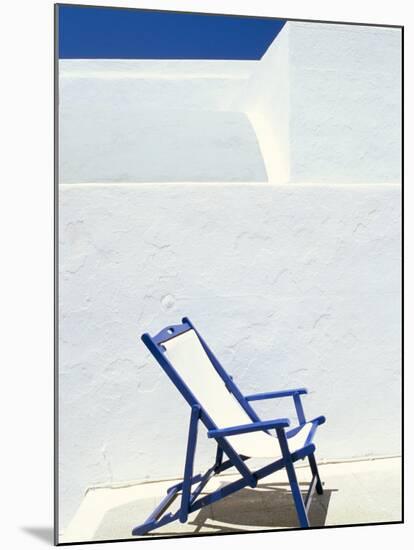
<point>345,103</point>
<point>291,284</point>
<point>143,121</point>
<point>326,104</point>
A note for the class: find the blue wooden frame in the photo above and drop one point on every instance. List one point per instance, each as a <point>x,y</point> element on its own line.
<point>190,501</point>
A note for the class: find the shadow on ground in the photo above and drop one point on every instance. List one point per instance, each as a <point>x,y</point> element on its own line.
<point>268,507</point>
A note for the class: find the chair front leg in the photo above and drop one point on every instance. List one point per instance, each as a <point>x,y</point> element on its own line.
<point>293,481</point>
<point>189,463</point>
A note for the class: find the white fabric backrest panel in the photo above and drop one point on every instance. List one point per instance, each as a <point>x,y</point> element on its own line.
<point>186,354</point>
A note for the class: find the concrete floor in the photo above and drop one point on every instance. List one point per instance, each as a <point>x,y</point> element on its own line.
<point>367,491</point>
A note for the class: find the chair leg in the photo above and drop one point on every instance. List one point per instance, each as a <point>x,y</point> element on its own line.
<point>293,481</point>
<point>219,458</point>
<point>297,496</point>
<point>189,461</point>
<point>315,472</point>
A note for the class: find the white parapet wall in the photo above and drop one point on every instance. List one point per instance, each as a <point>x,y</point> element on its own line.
<point>143,121</point>
<point>287,259</point>
<point>326,104</point>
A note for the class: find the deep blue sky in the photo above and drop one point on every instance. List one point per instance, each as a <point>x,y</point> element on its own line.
<point>91,32</point>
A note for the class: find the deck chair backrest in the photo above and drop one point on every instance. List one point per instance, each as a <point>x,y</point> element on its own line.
<point>187,356</point>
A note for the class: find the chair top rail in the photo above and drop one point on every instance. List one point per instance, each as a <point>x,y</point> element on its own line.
<point>169,332</point>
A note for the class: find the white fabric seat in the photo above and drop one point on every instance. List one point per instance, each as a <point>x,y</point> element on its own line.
<point>187,356</point>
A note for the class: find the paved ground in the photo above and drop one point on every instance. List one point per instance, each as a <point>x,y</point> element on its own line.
<point>366,491</point>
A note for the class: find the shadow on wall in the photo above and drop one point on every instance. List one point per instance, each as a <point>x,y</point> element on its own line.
<point>270,507</point>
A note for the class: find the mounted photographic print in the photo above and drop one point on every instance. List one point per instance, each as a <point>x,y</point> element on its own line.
<point>228,232</point>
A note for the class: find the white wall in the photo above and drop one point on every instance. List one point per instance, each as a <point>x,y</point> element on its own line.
<point>266,99</point>
<point>143,121</point>
<point>345,103</point>
<point>326,104</point>
<point>323,105</point>
<point>291,284</point>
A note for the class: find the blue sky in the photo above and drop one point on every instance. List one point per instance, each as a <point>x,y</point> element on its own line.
<point>87,32</point>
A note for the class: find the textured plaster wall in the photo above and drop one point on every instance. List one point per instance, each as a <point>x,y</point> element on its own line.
<point>291,284</point>
<point>345,103</point>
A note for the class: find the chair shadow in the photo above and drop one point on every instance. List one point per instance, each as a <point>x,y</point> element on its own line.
<point>271,507</point>
<point>268,507</point>
<point>42,533</point>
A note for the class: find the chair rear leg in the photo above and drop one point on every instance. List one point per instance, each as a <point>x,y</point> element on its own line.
<point>219,458</point>
<point>315,472</point>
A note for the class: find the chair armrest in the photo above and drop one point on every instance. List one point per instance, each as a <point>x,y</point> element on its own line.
<point>246,428</point>
<point>275,394</point>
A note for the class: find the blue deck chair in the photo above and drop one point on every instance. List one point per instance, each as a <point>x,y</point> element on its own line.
<point>216,401</point>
